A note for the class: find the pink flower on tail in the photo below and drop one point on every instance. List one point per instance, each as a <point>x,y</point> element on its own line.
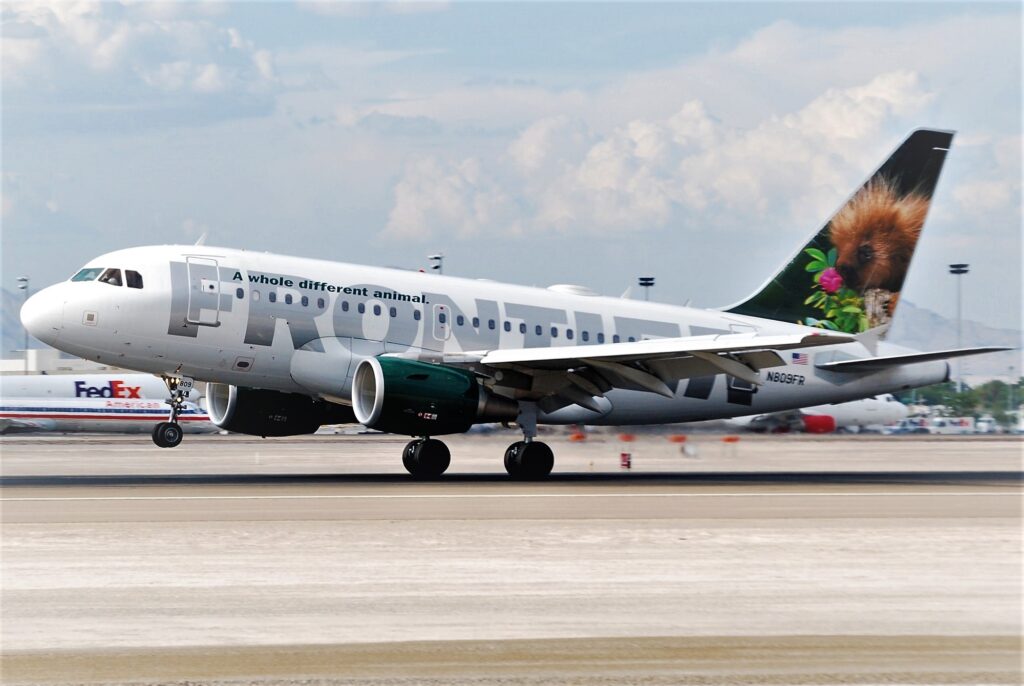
<point>830,280</point>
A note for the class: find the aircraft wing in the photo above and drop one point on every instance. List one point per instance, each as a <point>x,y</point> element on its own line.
<point>565,375</point>
<point>872,364</point>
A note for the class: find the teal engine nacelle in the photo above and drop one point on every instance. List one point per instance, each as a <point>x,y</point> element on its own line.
<point>421,399</point>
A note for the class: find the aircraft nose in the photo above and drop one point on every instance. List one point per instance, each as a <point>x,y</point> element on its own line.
<point>41,315</point>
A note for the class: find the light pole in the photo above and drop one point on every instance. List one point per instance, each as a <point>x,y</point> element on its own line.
<point>23,286</point>
<point>646,282</point>
<point>1009,392</point>
<point>959,270</point>
<point>439,260</point>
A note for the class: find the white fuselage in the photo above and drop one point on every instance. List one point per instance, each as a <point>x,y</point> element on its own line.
<point>302,325</point>
<point>868,412</point>
<point>107,403</point>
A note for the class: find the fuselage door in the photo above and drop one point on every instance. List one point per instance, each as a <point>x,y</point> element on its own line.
<point>442,322</point>
<point>203,291</point>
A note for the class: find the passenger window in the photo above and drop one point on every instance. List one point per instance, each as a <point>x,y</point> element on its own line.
<point>600,338</point>
<point>376,310</point>
<point>320,303</point>
<point>586,336</point>
<point>288,299</point>
<point>490,324</point>
<point>89,274</point>
<point>507,325</point>
<point>568,334</point>
<point>344,305</point>
<point>632,340</point>
<point>304,301</point>
<point>442,317</point>
<point>522,327</point>
<point>615,338</point>
<point>416,315</point>
<point>111,276</point>
<point>476,322</point>
<point>460,320</point>
<point>132,279</point>
<point>272,296</point>
<point>554,332</point>
<point>393,312</point>
<point>538,330</point>
<point>239,293</point>
<point>361,308</point>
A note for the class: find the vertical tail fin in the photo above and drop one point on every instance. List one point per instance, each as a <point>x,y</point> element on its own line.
<point>849,275</point>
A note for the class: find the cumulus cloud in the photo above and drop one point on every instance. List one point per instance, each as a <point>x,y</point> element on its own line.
<point>775,130</point>
<point>343,8</point>
<point>59,56</point>
<point>994,191</point>
<point>457,197</point>
<point>650,173</point>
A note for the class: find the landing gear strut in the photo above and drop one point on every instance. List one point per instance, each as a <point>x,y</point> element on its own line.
<point>528,458</point>
<point>169,434</point>
<point>426,458</point>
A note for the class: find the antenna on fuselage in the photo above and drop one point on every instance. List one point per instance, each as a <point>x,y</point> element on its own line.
<point>202,239</point>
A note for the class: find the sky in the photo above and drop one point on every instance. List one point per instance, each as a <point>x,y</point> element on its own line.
<point>534,143</point>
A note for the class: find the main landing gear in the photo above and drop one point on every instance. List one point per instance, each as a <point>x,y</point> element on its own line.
<point>528,459</point>
<point>426,458</point>
<point>169,434</point>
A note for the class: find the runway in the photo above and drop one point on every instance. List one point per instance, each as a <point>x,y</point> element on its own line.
<point>771,561</point>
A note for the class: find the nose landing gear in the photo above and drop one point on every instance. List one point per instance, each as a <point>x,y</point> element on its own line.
<point>169,434</point>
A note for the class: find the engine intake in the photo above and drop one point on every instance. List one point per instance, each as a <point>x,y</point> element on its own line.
<point>270,413</point>
<point>421,399</point>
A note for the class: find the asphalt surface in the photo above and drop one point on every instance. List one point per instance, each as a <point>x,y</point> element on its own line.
<point>316,560</point>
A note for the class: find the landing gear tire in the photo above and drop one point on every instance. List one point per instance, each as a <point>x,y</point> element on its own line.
<point>167,434</point>
<point>529,461</point>
<point>426,458</point>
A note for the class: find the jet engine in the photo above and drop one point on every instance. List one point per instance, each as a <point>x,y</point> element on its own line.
<point>270,413</point>
<point>421,399</point>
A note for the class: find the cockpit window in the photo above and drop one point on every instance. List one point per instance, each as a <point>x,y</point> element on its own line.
<point>132,278</point>
<point>87,274</point>
<point>111,276</point>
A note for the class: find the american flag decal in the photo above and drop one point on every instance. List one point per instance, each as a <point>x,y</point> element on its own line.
<point>799,358</point>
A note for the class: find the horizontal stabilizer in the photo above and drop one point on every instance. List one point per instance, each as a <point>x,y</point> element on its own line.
<point>879,363</point>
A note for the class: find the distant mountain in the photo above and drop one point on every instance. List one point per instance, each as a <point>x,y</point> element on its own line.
<point>914,327</point>
<point>921,329</point>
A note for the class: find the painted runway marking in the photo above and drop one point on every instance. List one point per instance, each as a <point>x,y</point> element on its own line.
<point>489,496</point>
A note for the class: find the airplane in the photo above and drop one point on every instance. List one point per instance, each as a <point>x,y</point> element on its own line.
<point>287,344</point>
<point>822,419</point>
<point>106,403</point>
